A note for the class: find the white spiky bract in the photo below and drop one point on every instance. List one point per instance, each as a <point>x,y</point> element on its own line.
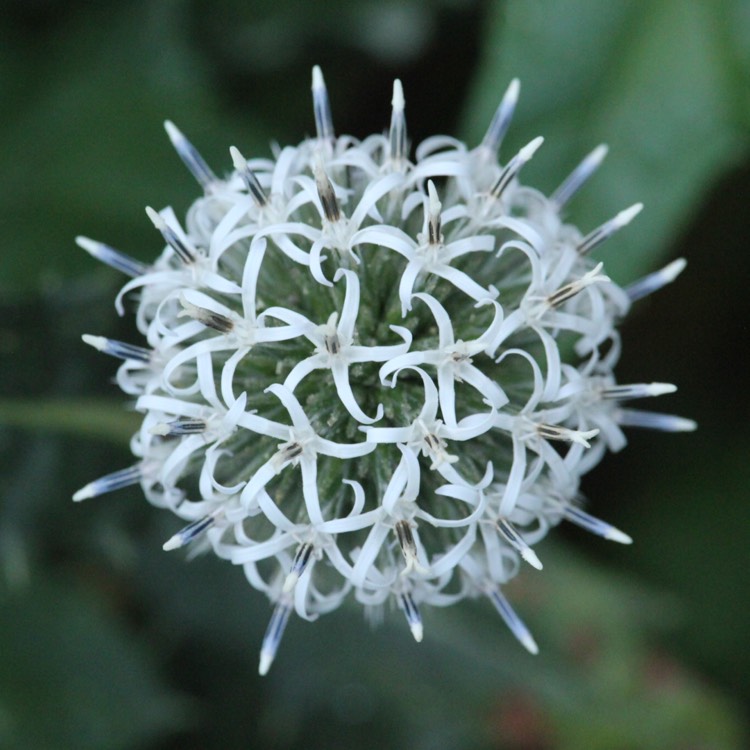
<point>375,378</point>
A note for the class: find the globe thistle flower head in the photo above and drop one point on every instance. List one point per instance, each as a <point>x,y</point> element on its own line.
<point>375,377</point>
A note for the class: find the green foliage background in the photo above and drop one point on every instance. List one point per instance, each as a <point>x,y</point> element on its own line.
<point>106,642</point>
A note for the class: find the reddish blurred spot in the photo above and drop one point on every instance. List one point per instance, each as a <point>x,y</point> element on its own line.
<point>518,722</point>
<point>661,672</point>
<point>584,645</point>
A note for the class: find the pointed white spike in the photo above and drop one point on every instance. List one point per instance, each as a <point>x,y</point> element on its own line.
<point>514,166</point>
<point>266,659</point>
<point>156,218</point>
<point>626,216</point>
<point>290,582</point>
<point>89,245</point>
<point>174,542</point>
<point>511,93</point>
<point>673,270</point>
<point>85,493</point>
<point>511,535</point>
<point>98,342</point>
<point>111,257</point>
<point>434,205</point>
<point>579,176</point>
<point>190,532</point>
<point>248,177</point>
<point>118,349</point>
<point>413,617</point>
<point>528,151</point>
<point>110,482</point>
<point>397,142</point>
<point>637,390</point>
<point>321,106</point>
<point>660,389</point>
<point>398,102</point>
<point>615,535</point>
<point>417,630</point>
<point>174,133</point>
<point>513,621</point>
<point>238,160</point>
<point>594,525</point>
<point>274,633</point>
<point>531,558</point>
<point>605,231</point>
<point>317,78</point>
<point>655,281</point>
<point>655,421</point>
<point>501,119</point>
<point>190,157</point>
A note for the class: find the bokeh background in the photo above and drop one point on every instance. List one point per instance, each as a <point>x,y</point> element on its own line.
<point>107,642</point>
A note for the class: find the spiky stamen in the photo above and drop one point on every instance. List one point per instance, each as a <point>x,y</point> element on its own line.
<point>301,560</point>
<point>248,177</point>
<point>190,157</point>
<point>113,258</point>
<point>179,427</point>
<point>594,525</point>
<point>118,349</point>
<point>636,390</point>
<point>514,166</point>
<point>509,532</point>
<point>566,435</point>
<point>579,176</point>
<point>655,281</point>
<point>432,216</point>
<point>326,194</point>
<point>564,293</point>
<point>274,634</point>
<point>186,254</point>
<point>397,134</point>
<point>513,621</point>
<point>110,483</point>
<point>502,118</point>
<point>189,533</point>
<point>321,107</point>
<point>412,614</point>
<point>209,318</point>
<point>606,230</point>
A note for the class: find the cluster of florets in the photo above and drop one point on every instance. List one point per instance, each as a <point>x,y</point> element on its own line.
<point>372,377</point>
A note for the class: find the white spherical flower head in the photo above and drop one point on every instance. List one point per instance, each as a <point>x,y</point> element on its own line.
<point>375,378</point>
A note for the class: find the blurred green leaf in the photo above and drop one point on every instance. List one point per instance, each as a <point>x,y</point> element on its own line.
<point>87,417</point>
<point>603,630</point>
<point>665,84</point>
<point>77,680</point>
<point>697,550</point>
<point>83,146</point>
<point>600,680</point>
<point>268,35</point>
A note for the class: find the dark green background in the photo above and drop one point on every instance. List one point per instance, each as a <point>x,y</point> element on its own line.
<point>107,642</point>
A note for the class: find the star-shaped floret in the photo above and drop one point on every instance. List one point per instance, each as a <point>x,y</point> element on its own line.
<point>453,360</point>
<point>335,348</point>
<point>182,264</point>
<point>428,434</point>
<point>429,254</point>
<point>300,447</point>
